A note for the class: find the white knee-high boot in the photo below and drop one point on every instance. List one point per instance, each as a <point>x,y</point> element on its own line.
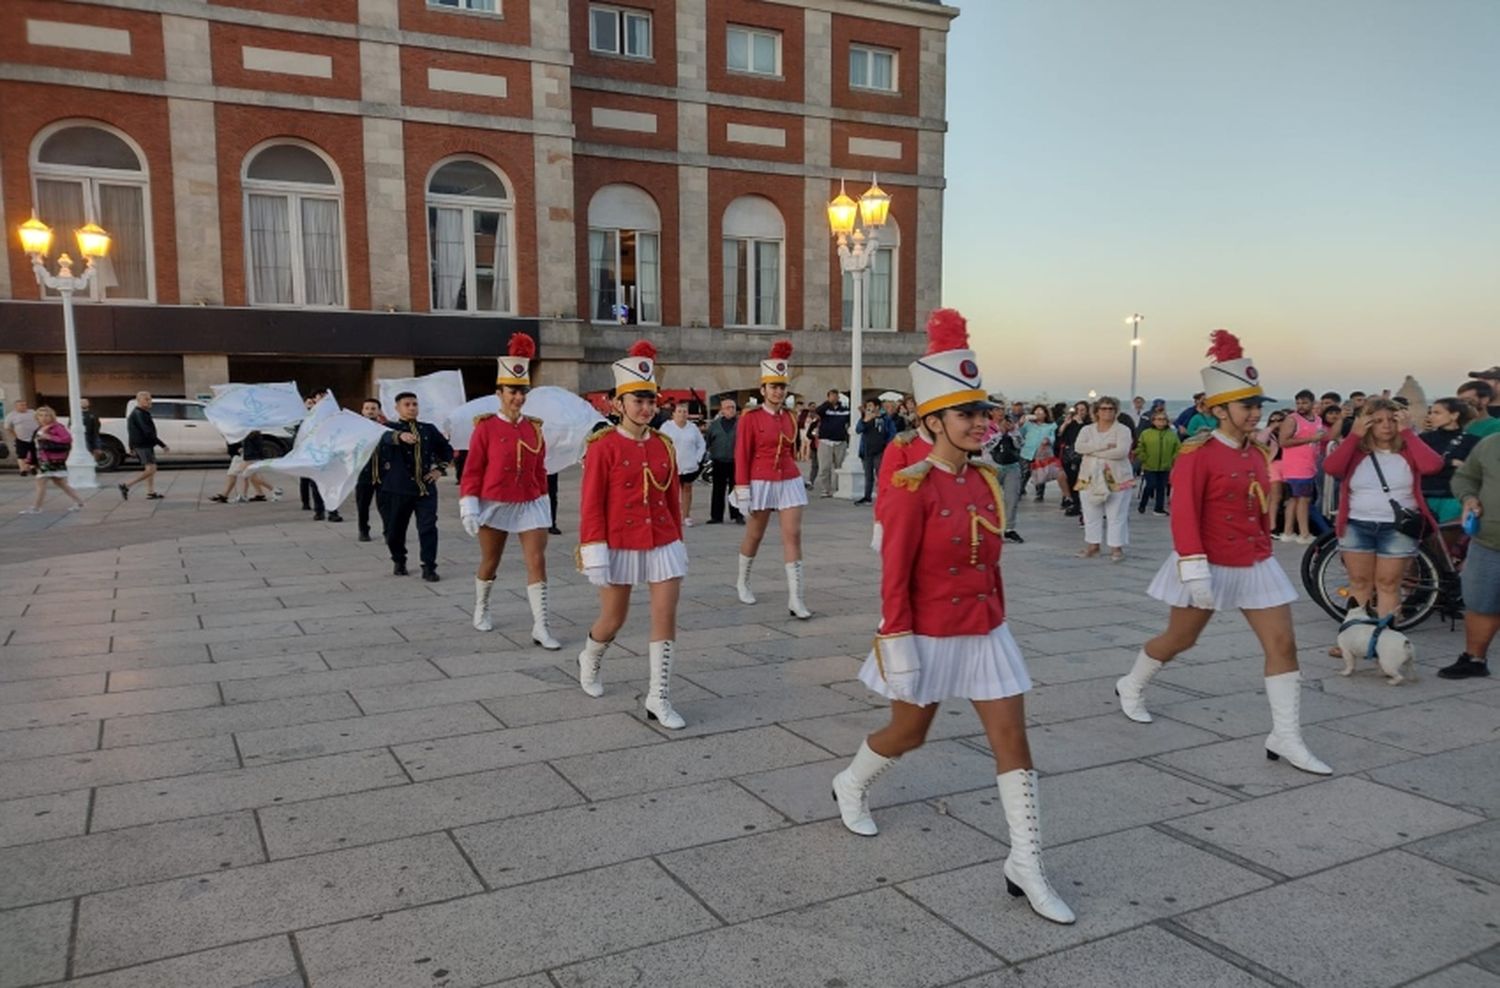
<point>482,590</point>
<point>1284,693</point>
<point>743,586</point>
<point>1130,686</point>
<point>589,661</point>
<point>851,789</point>
<point>794,588</point>
<point>659,692</point>
<point>1024,874</point>
<point>540,635</point>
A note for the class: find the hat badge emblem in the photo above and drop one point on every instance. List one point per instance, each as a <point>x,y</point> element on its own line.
<point>516,368</point>
<point>1252,373</point>
<point>780,366</point>
<point>968,368</point>
<point>644,367</point>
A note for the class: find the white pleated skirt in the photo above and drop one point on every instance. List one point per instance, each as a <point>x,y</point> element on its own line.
<point>516,516</point>
<point>631,566</point>
<point>1250,588</point>
<point>777,494</point>
<point>964,667</point>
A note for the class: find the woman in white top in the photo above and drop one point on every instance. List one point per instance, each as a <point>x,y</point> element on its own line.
<point>689,445</point>
<point>1105,479</point>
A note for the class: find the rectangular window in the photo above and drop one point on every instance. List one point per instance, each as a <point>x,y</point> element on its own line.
<point>880,297</point>
<point>872,68</point>
<point>618,31</point>
<point>752,282</point>
<point>296,250</point>
<point>625,276</point>
<point>753,50</point>
<point>464,240</point>
<point>479,6</point>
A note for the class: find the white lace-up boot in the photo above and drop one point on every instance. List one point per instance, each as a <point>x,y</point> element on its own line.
<point>743,586</point>
<point>589,661</point>
<point>1130,687</point>
<point>794,604</point>
<point>537,594</point>
<point>1284,693</point>
<point>851,789</point>
<point>1024,874</point>
<point>659,692</point>
<point>482,590</point>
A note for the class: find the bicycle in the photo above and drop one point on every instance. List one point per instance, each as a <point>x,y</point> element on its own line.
<point>1431,585</point>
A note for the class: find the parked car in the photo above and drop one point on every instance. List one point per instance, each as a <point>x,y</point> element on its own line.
<point>183,426</point>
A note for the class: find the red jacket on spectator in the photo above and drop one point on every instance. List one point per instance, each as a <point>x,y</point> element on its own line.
<point>1347,457</point>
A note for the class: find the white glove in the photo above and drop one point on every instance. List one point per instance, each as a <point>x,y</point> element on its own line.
<point>1194,573</point>
<point>900,665</point>
<point>593,561</point>
<point>739,498</point>
<point>468,513</point>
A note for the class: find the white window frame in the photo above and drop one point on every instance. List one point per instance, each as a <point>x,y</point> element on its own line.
<point>470,204</point>
<point>752,281</point>
<point>893,232</point>
<point>641,207</point>
<point>616,233</point>
<point>751,33</point>
<point>871,52</point>
<point>490,7</point>
<point>295,193</point>
<point>91,178</point>
<point>623,15</point>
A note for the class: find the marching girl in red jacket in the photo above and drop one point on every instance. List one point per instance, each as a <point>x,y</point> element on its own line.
<point>504,491</point>
<point>630,528</point>
<point>1221,537</point>
<point>767,479</point>
<point>906,449</point>
<point>942,628</point>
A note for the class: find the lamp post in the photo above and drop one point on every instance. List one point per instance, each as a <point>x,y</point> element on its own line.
<point>1134,321</point>
<point>93,243</point>
<point>857,247</point>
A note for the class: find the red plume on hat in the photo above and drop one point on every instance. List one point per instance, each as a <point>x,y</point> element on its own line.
<point>947,329</point>
<point>1224,346</point>
<point>781,350</point>
<point>643,348</point>
<point>522,345</point>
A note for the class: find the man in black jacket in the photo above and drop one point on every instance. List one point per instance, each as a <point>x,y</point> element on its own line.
<point>721,454</point>
<point>140,429</point>
<point>413,455</point>
<point>364,488</point>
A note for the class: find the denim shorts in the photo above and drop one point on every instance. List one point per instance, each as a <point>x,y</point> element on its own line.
<point>1481,580</point>
<point>1301,486</point>
<point>1377,537</point>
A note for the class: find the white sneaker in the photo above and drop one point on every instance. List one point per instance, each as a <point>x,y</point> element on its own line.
<point>276,494</point>
<point>688,523</point>
<point>75,507</point>
<point>31,511</point>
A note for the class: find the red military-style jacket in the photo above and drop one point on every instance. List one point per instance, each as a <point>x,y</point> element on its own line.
<point>506,461</point>
<point>1219,501</point>
<point>906,449</point>
<point>765,447</point>
<point>630,492</point>
<point>940,557</point>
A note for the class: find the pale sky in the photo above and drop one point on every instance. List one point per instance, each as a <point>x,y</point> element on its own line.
<point>1321,177</point>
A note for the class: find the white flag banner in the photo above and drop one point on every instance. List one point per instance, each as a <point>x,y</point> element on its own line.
<point>567,421</point>
<point>437,394</point>
<point>240,409</point>
<point>460,423</point>
<point>333,445</point>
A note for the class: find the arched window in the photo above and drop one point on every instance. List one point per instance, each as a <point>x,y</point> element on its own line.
<point>87,173</point>
<point>880,298</point>
<point>624,256</point>
<point>294,228</point>
<point>469,234</point>
<point>754,249</point>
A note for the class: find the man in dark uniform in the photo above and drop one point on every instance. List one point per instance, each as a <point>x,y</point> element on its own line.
<point>413,455</point>
<point>364,487</point>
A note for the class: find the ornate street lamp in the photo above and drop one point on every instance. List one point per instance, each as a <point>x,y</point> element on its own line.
<point>1134,322</point>
<point>93,244</point>
<point>857,248</point>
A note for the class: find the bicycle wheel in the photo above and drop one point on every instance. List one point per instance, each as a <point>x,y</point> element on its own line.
<point>1324,578</point>
<point>1420,591</point>
<point>1323,544</point>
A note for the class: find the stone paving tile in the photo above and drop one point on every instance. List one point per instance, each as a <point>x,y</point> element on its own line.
<point>1463,778</point>
<point>126,680</point>
<point>1427,728</point>
<point>1239,715</point>
<point>34,944</point>
<point>1112,883</point>
<point>39,818</point>
<point>402,811</point>
<point>12,671</point>
<point>842,734</point>
<point>57,632</point>
<point>187,914</point>
<point>275,687</point>
<point>383,699</point>
<point>1242,765</point>
<point>544,925</point>
<point>1093,801</point>
<point>1318,930</point>
<point>42,712</point>
<point>355,733</point>
<point>1471,850</point>
<point>239,789</point>
<point>248,648</point>
<point>117,858</point>
<point>1339,821</point>
<point>397,649</point>
<point>732,713</point>
<point>1145,956</point>
<point>536,743</point>
<point>1459,976</point>
<point>58,739</point>
<point>54,688</point>
<point>253,620</point>
<point>680,763</point>
<point>267,963</point>
<point>876,938</point>
<point>56,773</point>
<point>574,704</point>
<point>150,728</point>
<point>524,849</point>
<point>1110,738</point>
<point>764,678</point>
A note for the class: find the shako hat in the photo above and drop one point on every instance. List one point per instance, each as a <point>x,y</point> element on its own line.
<point>1232,376</point>
<point>776,368</point>
<point>948,375</point>
<point>636,371</point>
<point>515,366</point>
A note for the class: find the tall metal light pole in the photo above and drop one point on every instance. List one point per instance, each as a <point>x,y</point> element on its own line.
<point>857,249</point>
<point>1134,321</point>
<point>36,241</point>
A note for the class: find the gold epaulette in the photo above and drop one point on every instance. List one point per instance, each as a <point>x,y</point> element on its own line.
<point>1194,442</point>
<point>911,477</point>
<point>905,438</point>
<point>597,435</point>
<point>482,416</point>
<point>533,420</point>
<point>1265,450</point>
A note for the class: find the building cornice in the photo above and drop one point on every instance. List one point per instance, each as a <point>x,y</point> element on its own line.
<point>723,163</point>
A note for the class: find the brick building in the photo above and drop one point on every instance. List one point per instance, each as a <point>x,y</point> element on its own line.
<point>338,190</point>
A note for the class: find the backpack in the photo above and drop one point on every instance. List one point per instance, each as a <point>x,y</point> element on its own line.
<point>1007,451</point>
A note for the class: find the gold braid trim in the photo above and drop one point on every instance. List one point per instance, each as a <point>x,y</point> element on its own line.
<point>648,479</point>
<point>911,477</point>
<point>905,439</point>
<point>416,459</point>
<point>522,448</point>
<point>597,435</point>
<point>484,415</point>
<point>1194,443</point>
<point>1260,495</point>
<point>978,521</point>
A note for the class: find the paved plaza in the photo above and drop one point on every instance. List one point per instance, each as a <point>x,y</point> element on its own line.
<point>235,751</point>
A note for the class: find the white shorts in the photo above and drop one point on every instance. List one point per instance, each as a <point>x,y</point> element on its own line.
<point>631,566</point>
<point>777,494</point>
<point>236,465</point>
<point>1251,588</point>
<point>516,516</point>
<point>964,667</point>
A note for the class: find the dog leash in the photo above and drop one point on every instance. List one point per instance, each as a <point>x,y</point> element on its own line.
<point>1381,624</point>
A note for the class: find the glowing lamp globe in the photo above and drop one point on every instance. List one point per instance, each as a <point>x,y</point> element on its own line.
<point>93,242</point>
<point>874,205</point>
<point>841,213</point>
<point>36,237</point>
